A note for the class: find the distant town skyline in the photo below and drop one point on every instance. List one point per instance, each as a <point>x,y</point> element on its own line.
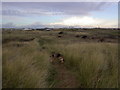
<point>59,14</point>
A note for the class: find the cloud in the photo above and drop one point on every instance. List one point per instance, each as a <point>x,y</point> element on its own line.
<point>34,14</point>
<point>83,22</point>
<point>33,25</point>
<point>51,8</point>
<point>9,25</point>
<point>86,22</point>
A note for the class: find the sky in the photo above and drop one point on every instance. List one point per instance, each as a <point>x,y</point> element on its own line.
<point>59,14</point>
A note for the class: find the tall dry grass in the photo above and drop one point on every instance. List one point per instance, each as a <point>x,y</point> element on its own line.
<point>24,67</point>
<point>95,64</point>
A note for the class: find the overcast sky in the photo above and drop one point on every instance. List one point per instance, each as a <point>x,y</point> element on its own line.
<point>59,14</point>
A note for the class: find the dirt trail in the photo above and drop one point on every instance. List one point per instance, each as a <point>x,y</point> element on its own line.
<point>65,78</point>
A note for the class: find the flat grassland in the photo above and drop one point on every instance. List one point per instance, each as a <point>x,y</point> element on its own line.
<point>91,59</point>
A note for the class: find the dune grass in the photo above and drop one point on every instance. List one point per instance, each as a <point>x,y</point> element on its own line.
<point>24,67</point>
<point>95,64</point>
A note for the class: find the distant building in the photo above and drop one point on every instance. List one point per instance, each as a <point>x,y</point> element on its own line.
<point>27,29</point>
<point>44,29</point>
<point>48,29</point>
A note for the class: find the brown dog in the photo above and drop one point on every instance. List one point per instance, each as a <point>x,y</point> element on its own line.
<point>56,56</point>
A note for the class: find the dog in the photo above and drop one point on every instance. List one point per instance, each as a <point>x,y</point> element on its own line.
<point>56,56</point>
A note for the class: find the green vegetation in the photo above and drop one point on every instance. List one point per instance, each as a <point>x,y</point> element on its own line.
<point>95,64</point>
<point>26,63</point>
